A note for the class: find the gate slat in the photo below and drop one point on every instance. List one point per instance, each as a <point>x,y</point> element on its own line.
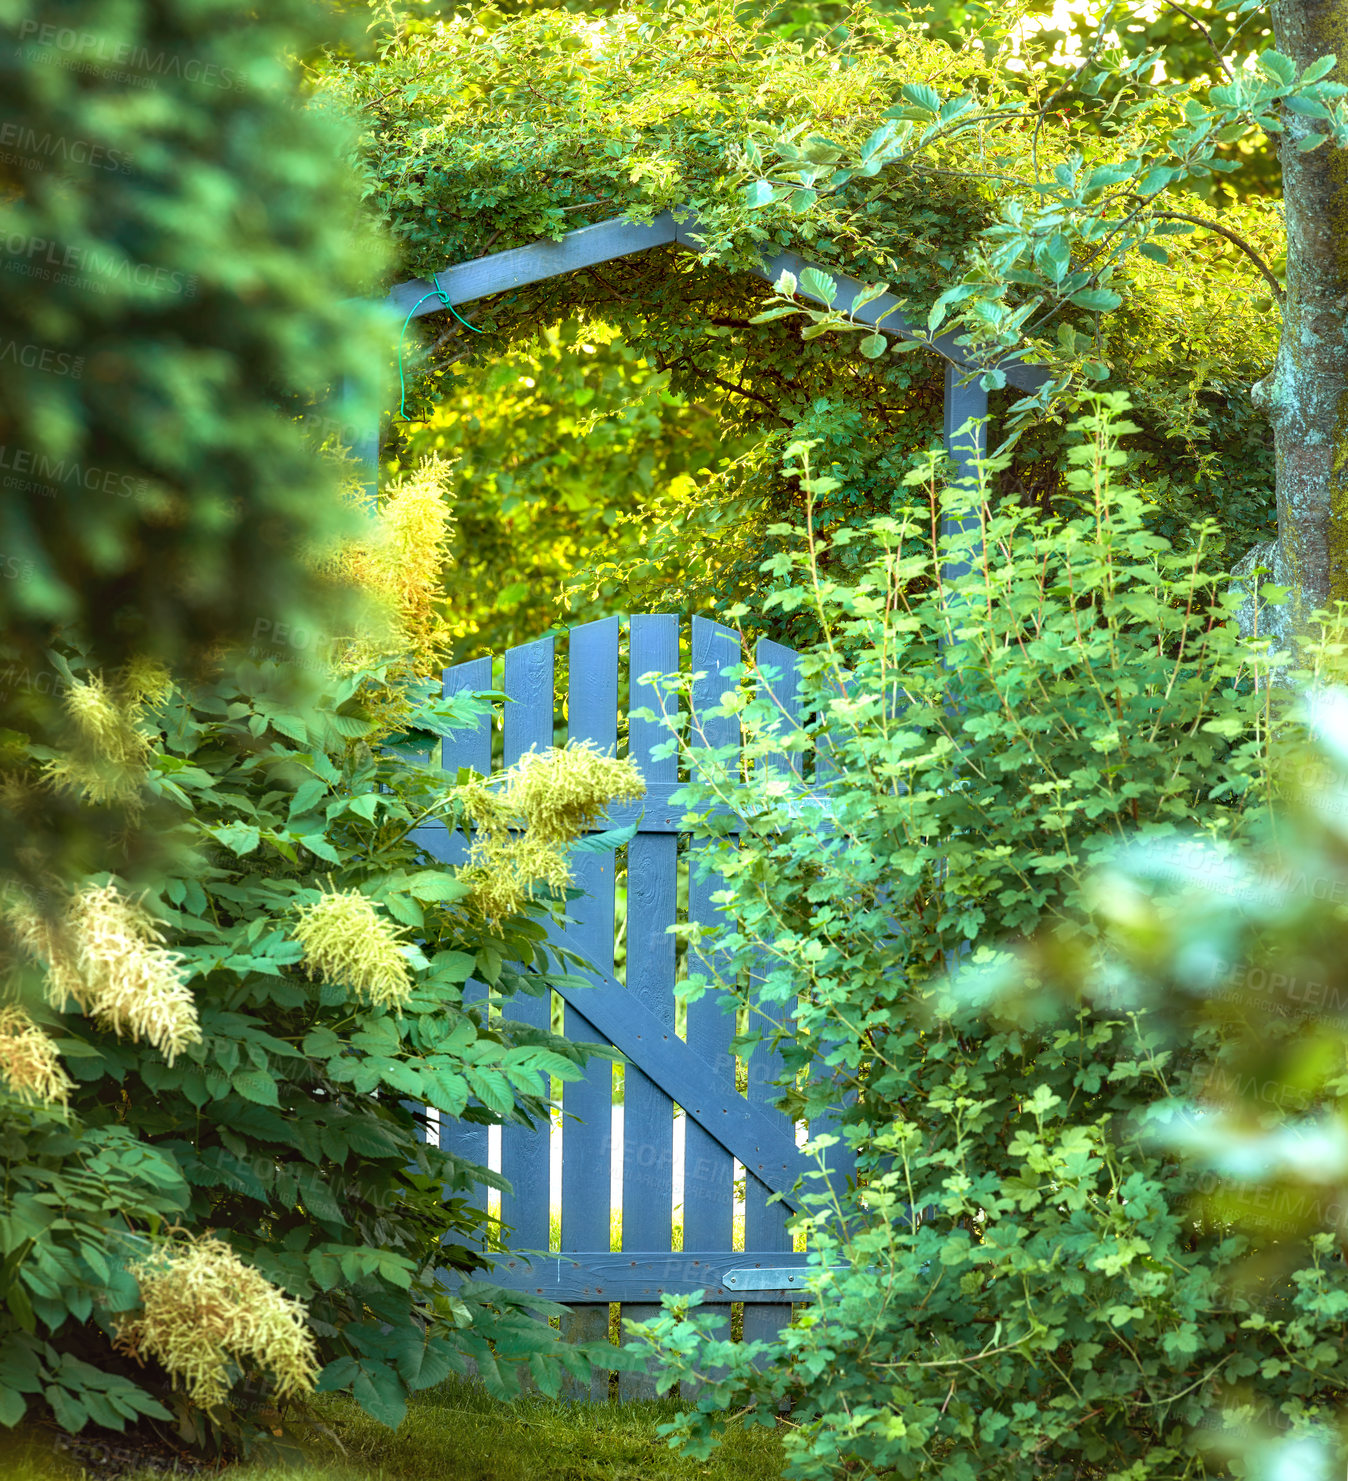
<point>652,890</point>
<point>708,1170</point>
<point>840,1160</point>
<point>470,747</point>
<point>765,1222</point>
<point>525,1153</point>
<point>587,1142</point>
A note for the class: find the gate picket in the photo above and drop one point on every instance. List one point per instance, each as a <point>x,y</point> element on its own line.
<point>469,748</point>
<point>708,1169</point>
<point>524,1152</point>
<point>765,1222</point>
<point>652,893</point>
<point>587,1105</point>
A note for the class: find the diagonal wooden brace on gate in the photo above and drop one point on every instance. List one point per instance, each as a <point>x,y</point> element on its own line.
<point>746,1132</point>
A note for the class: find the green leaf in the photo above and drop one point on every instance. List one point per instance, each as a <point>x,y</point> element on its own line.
<point>1098,300</point>
<point>878,140</point>
<point>758,193</point>
<point>70,1414</point>
<point>433,884</point>
<point>1310,142</point>
<point>256,1086</point>
<point>1277,68</point>
<point>1103,176</point>
<point>599,843</point>
<point>1054,257</point>
<point>818,285</point>
<point>338,1374</point>
<point>13,1406</point>
<point>307,796</point>
<point>403,909</point>
<point>21,1308</point>
<point>921,96</point>
<point>319,846</point>
<point>1156,180</point>
<point>873,346</point>
<point>782,311</point>
<point>241,838</point>
<point>492,1089</point>
<point>454,966</point>
<point>364,805</point>
<point>379,1392</point>
<point>1319,68</point>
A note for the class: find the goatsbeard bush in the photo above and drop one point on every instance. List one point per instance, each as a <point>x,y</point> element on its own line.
<point>1021,1279</point>
<point>221,1071</point>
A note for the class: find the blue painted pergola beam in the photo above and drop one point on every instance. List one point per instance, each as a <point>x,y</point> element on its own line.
<point>587,246</point>
<point>966,402</point>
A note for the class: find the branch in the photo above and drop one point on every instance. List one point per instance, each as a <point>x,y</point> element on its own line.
<point>1236,241</point>
<point>740,391</point>
<point>1042,112</point>
<point>1207,34</point>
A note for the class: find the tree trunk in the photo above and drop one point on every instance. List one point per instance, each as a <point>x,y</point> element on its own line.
<point>1306,395</point>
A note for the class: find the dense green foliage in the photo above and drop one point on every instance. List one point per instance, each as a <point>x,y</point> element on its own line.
<point>179,233</point>
<point>481,134</point>
<point>928,925</point>
<point>294,1127</point>
<point>574,467</point>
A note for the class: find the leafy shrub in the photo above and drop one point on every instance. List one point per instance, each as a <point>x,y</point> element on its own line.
<point>261,1072</point>
<point>984,745</point>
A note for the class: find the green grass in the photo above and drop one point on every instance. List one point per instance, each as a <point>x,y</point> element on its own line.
<point>458,1433</point>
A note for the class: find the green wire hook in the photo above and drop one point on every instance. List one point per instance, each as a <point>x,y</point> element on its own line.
<point>402,382</point>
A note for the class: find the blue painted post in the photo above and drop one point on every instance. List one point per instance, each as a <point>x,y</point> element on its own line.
<point>967,446</point>
<point>652,888</point>
<point>587,1105</point>
<point>525,1153</point>
<point>708,1169</point>
<point>469,748</point>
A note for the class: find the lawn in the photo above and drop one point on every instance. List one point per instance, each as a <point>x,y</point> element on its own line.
<point>458,1433</point>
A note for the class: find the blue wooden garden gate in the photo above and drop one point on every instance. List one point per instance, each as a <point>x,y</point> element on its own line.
<point>695,1074</point>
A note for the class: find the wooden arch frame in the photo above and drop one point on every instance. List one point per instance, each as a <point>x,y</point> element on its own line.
<point>966,402</point>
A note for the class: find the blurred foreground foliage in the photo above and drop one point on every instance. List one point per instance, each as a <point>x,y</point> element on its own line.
<point>181,238</point>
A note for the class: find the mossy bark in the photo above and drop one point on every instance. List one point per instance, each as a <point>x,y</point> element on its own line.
<point>1307,392</point>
